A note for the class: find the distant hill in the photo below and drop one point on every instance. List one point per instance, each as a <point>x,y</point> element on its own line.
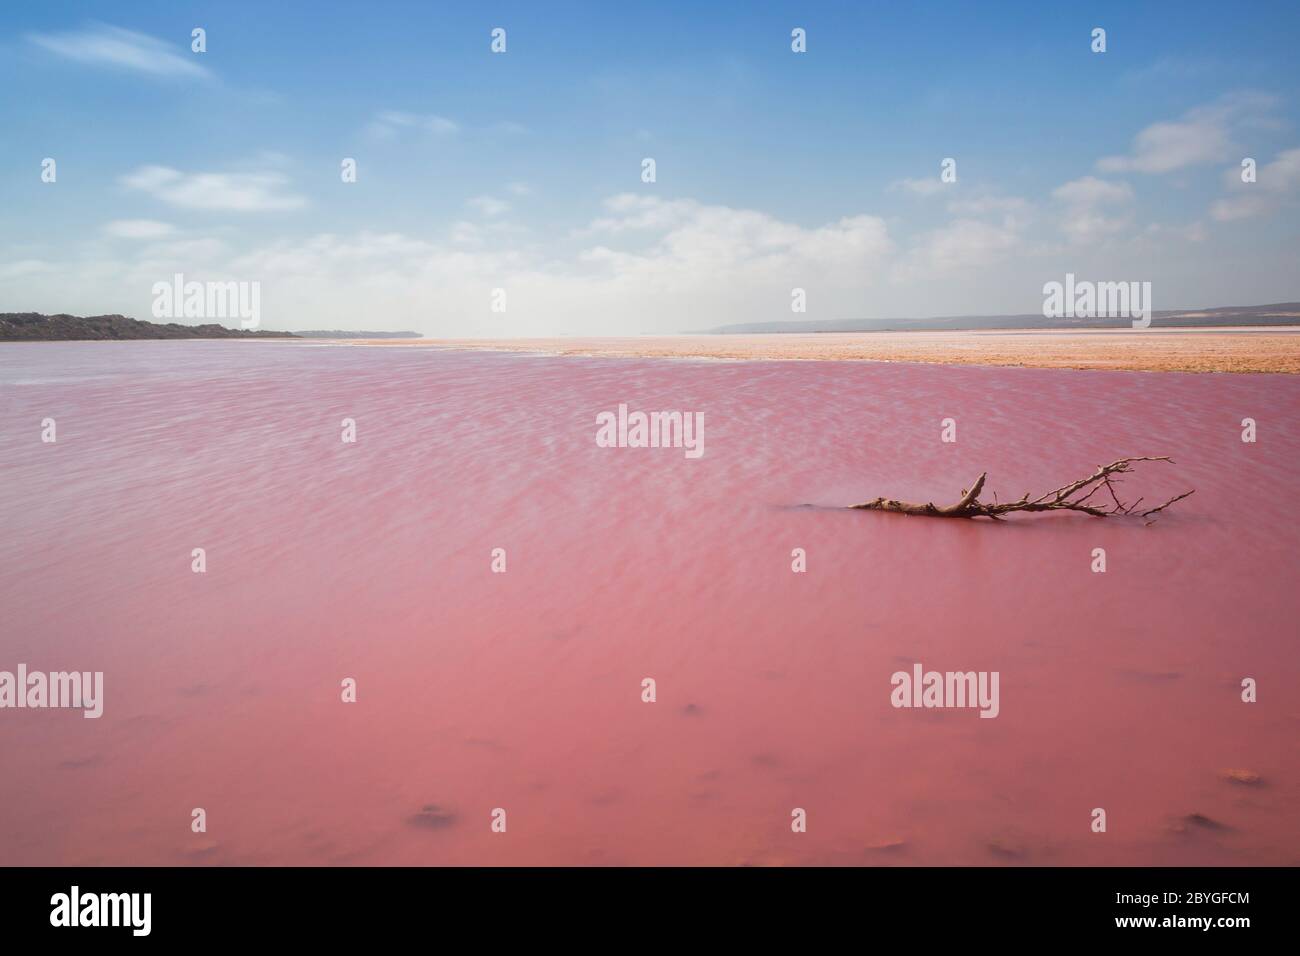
<point>340,334</point>
<point>34,327</point>
<point>1281,313</point>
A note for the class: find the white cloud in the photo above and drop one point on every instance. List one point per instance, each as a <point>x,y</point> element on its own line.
<point>959,247</point>
<point>138,229</point>
<point>1243,206</point>
<point>918,187</point>
<point>693,236</point>
<point>1086,218</point>
<point>1089,190</point>
<point>159,260</point>
<point>1203,135</point>
<point>103,45</point>
<point>989,205</point>
<point>698,266</point>
<point>1276,184</point>
<point>388,123</point>
<point>1013,213</point>
<point>22,268</point>
<point>632,212</point>
<point>237,192</point>
<point>644,264</point>
<point>489,205</point>
<point>1194,232</point>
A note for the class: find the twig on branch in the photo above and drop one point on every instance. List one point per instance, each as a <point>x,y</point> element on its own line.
<point>1072,497</point>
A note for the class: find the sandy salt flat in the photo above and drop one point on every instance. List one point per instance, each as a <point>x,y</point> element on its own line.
<point>1166,350</point>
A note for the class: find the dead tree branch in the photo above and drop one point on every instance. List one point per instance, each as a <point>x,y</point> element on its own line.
<point>1072,497</point>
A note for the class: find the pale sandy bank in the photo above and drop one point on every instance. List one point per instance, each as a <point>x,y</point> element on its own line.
<point>1274,349</point>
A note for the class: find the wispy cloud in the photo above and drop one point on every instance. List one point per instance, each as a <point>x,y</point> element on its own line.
<point>961,246</point>
<point>22,268</point>
<point>138,229</point>
<point>99,44</point>
<point>989,205</point>
<point>1202,135</point>
<point>388,123</point>
<point>696,263</point>
<point>1094,208</point>
<point>1015,213</point>
<point>1276,184</point>
<point>1091,191</point>
<point>489,205</point>
<point>236,192</point>
<point>917,187</point>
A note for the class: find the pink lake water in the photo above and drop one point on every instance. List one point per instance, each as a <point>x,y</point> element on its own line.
<point>522,690</point>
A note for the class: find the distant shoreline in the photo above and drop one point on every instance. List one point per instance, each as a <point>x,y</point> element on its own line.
<point>38,327</point>
<point>1267,348</point>
<point>1233,316</point>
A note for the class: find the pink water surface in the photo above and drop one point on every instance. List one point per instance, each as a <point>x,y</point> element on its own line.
<point>523,690</point>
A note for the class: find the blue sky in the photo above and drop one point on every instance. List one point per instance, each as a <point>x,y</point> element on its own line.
<point>522,170</point>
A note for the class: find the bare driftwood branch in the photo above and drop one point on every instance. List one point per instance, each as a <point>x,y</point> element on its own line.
<point>1075,496</point>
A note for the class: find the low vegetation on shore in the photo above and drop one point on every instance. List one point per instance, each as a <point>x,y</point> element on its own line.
<point>35,327</point>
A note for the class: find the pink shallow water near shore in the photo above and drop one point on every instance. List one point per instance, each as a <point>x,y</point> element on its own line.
<point>523,690</point>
